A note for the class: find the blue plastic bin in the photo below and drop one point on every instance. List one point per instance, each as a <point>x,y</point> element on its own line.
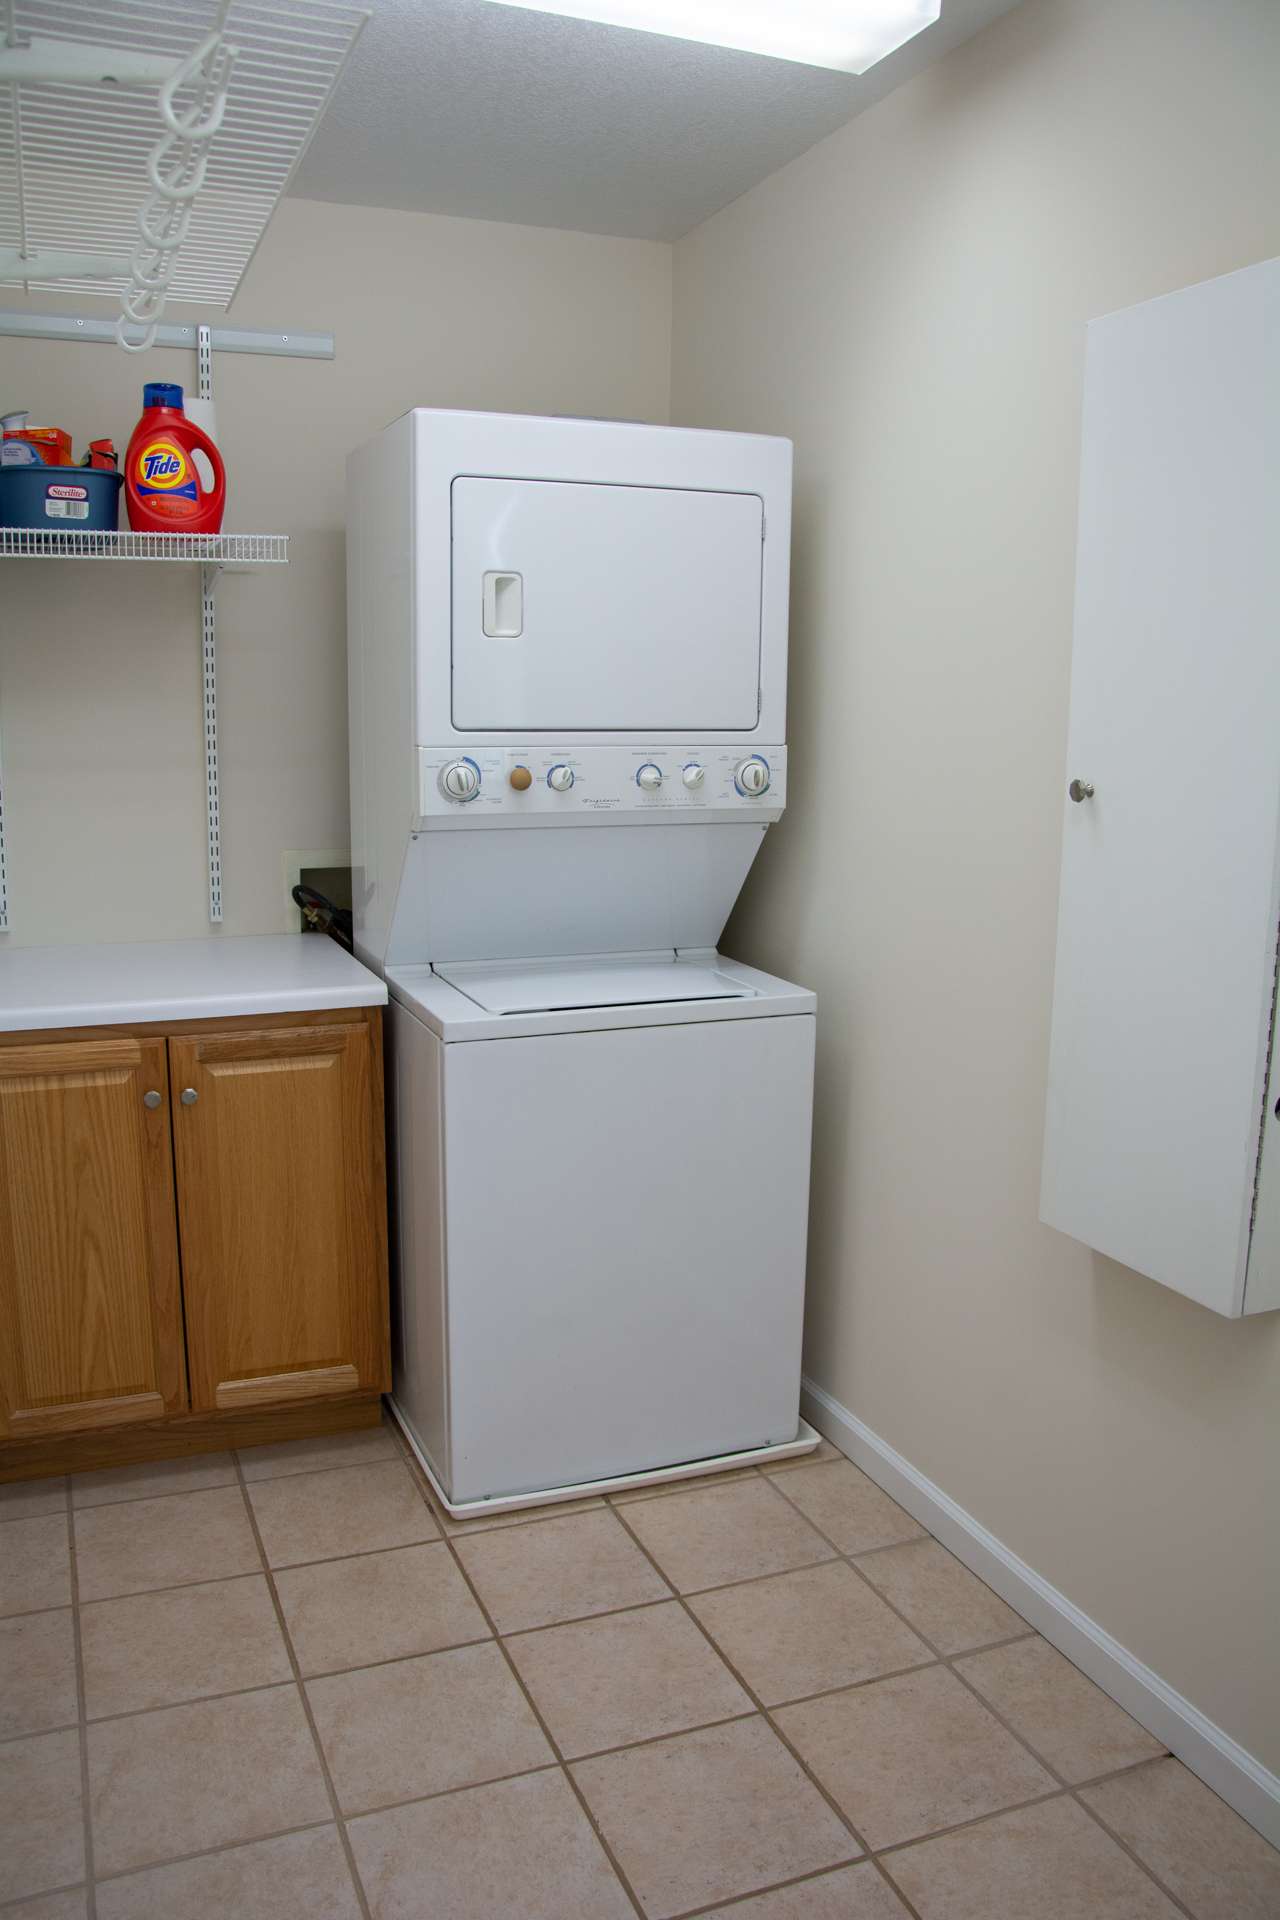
<point>60,499</point>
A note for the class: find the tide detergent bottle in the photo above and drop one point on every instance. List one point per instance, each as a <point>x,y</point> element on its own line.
<point>162,487</point>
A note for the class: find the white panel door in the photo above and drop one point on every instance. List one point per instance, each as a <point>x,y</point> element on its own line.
<point>626,1214</point>
<point>605,607</point>
<point>1168,913</point>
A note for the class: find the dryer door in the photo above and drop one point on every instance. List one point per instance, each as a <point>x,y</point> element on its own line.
<point>612,608</point>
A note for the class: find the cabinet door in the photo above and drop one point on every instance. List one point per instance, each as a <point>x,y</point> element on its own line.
<point>1170,884</point>
<point>281,1202</point>
<point>90,1311</point>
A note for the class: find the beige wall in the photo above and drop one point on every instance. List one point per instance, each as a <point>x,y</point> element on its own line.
<point>908,301</point>
<point>100,719</point>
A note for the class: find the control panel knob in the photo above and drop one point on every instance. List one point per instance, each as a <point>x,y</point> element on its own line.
<point>693,775</point>
<point>460,780</point>
<point>752,776</point>
<point>560,779</point>
<point>521,779</point>
<point>649,777</point>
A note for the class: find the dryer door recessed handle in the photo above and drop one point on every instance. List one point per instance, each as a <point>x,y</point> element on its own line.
<point>503,606</point>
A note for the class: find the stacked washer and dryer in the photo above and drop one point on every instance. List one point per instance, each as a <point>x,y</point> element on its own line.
<point>568,652</point>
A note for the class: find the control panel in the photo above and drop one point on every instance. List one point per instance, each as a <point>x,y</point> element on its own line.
<point>509,783</point>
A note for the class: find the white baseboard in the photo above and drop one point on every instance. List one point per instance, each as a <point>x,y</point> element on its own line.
<point>1243,1782</point>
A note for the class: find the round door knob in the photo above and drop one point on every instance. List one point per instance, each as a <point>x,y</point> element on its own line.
<point>151,1100</point>
<point>693,775</point>
<point>521,779</point>
<point>188,1096</point>
<point>460,780</point>
<point>560,779</point>
<point>649,777</point>
<point>753,776</point>
<point>1081,790</point>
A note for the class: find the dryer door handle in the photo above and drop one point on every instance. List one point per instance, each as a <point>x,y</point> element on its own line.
<point>503,606</point>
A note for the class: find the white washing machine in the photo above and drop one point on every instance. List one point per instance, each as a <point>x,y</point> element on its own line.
<point>567,682</point>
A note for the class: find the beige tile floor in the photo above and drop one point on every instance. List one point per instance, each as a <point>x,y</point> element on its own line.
<point>280,1685</point>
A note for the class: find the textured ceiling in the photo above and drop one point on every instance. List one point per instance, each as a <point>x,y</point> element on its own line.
<point>463,107</point>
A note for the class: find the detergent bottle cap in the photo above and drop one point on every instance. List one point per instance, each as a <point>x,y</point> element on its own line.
<point>162,393</point>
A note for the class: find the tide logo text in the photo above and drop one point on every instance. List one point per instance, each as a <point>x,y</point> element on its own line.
<point>160,466</point>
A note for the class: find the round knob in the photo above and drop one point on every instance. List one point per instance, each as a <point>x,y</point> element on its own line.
<point>560,779</point>
<point>753,776</point>
<point>649,777</point>
<point>188,1096</point>
<point>693,775</point>
<point>151,1100</point>
<point>460,780</point>
<point>1081,790</point>
<point>521,779</point>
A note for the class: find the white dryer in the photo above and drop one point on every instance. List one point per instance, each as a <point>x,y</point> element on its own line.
<point>567,679</point>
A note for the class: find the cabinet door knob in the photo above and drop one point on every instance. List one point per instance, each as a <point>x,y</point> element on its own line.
<point>1081,790</point>
<point>151,1100</point>
<point>188,1096</point>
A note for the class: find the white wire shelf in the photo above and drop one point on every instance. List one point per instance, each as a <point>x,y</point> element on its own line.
<point>73,159</point>
<point>208,549</point>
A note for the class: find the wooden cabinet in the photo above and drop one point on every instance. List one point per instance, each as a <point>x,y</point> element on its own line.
<point>279,1194</point>
<point>90,1312</point>
<point>208,1201</point>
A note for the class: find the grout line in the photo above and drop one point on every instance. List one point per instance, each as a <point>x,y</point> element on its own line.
<point>327,1777</point>
<point>810,1879</point>
<point>209,1853</point>
<point>26,1900</point>
<point>895,1847</point>
<point>261,1686</point>
<point>990,1646</point>
<point>178,1493</point>
<point>585,1619</point>
<point>250,1573</point>
<point>38,1733</point>
<point>748,1712</point>
<point>920,1538</point>
<point>669,1489</point>
<point>53,1512</point>
<point>550,1765</point>
<point>1118,1773</point>
<point>91,1903</point>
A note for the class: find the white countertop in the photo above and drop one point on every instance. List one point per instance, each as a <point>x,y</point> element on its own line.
<point>213,979</point>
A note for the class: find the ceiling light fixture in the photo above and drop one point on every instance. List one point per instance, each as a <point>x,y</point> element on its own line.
<point>849,35</point>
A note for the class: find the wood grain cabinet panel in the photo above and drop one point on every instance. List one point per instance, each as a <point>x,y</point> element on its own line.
<point>282,1212</point>
<point>90,1307</point>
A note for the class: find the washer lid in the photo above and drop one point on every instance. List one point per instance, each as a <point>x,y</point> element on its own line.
<point>551,986</point>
